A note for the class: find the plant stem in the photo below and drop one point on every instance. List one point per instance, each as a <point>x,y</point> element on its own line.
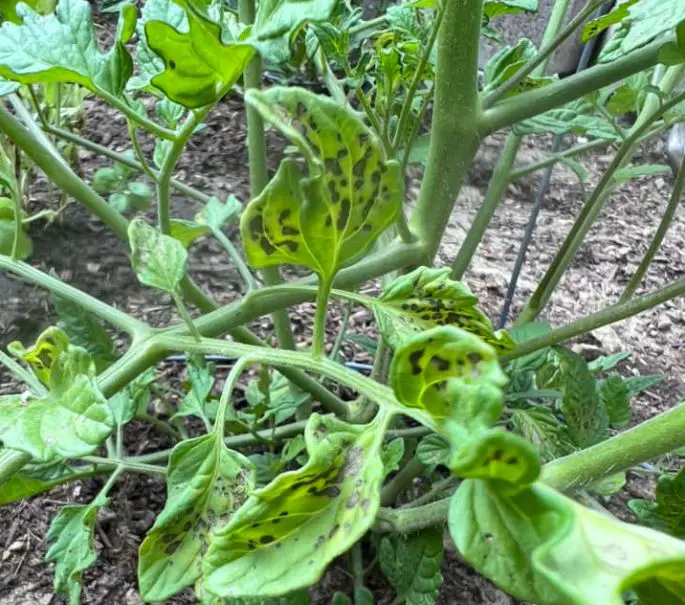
<point>341,332</point>
<point>549,45</point>
<point>160,425</point>
<point>238,261</point>
<point>493,196</point>
<point>185,316</point>
<point>133,135</point>
<point>601,318</point>
<point>435,492</point>
<point>233,376</point>
<point>124,160</point>
<point>117,318</point>
<point>319,337</point>
<point>557,157</point>
<point>401,481</point>
<point>651,112</point>
<point>259,175</point>
<point>11,462</point>
<point>142,121</point>
<point>535,102</point>
<point>405,112</point>
<point>23,374</point>
<point>128,465</point>
<point>411,139</point>
<point>665,223</point>
<point>408,520</point>
<point>648,440</point>
<point>456,114</point>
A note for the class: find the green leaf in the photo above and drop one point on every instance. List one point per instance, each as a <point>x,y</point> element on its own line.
<point>86,331</point>
<point>49,345</point>
<point>24,485</point>
<point>609,486</point>
<point>123,406</point>
<point>286,534</point>
<point>139,196</point>
<point>187,232</point>
<point>392,455</point>
<point>605,363</point>
<point>614,17</point>
<point>496,8</point>
<point>451,381</point>
<point>198,67</point>
<point>158,260</point>
<point>667,513</point>
<point>426,298</point>
<point>419,150</point>
<point>72,532</point>
<point>647,20</point>
<point>633,172</point>
<point>506,63</point>
<point>542,547</point>
<point>615,397</point>
<point>637,384</point>
<point>8,8</point>
<point>202,382</point>
<point>541,427</point>
<point>332,217</point>
<point>62,47</point>
<point>433,450</point>
<point>583,409</point>
<point>412,565</point>
<point>206,484</point>
<point>277,20</point>
<point>216,215</point>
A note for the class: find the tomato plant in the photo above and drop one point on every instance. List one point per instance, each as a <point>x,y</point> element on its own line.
<point>513,430</point>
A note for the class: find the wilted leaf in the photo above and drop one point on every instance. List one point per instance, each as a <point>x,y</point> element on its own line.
<point>542,547</point>
<point>73,549</point>
<point>286,534</point>
<point>350,197</point>
<point>412,565</point>
<point>198,67</point>
<point>206,484</point>
<point>158,260</point>
<point>426,298</point>
<point>62,47</point>
<point>667,513</point>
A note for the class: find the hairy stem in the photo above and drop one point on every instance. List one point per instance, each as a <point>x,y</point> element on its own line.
<point>456,115</point>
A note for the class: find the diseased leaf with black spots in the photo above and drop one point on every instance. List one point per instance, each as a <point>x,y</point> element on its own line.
<point>451,381</point>
<point>206,484</point>
<point>427,297</point>
<point>286,534</point>
<point>198,66</point>
<point>331,216</point>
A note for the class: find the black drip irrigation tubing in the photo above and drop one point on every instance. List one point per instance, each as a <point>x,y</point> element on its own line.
<point>585,59</point>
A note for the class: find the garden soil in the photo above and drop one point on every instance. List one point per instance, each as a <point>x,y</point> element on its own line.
<point>80,250</point>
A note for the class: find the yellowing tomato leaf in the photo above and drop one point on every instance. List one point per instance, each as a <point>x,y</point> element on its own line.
<point>62,47</point>
<point>542,547</point>
<point>286,534</point>
<point>426,298</point>
<point>332,216</point>
<point>198,67</point>
<point>206,483</point>
<point>158,260</point>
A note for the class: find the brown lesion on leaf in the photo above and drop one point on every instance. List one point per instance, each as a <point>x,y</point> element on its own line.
<point>415,361</point>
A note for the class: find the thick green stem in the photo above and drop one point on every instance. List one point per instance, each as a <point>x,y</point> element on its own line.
<point>456,115</point>
<point>648,440</point>
<point>665,223</point>
<point>319,337</point>
<point>653,110</point>
<point>401,481</point>
<point>493,197</point>
<point>601,318</point>
<point>535,102</point>
<point>259,174</point>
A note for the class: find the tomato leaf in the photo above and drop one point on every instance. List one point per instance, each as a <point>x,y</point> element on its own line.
<point>206,483</point>
<point>216,215</point>
<point>158,260</point>
<point>667,512</point>
<point>333,216</point>
<point>198,67</point>
<point>495,8</point>
<point>615,396</point>
<point>542,547</point>
<point>62,47</point>
<point>412,565</point>
<point>24,484</point>
<point>72,532</point>
<point>286,534</point>
<point>426,298</point>
<point>505,64</point>
<point>187,232</point>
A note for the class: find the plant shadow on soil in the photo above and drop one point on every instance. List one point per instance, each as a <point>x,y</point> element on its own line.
<point>83,253</point>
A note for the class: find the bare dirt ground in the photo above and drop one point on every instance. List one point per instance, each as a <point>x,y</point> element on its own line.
<point>83,253</point>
